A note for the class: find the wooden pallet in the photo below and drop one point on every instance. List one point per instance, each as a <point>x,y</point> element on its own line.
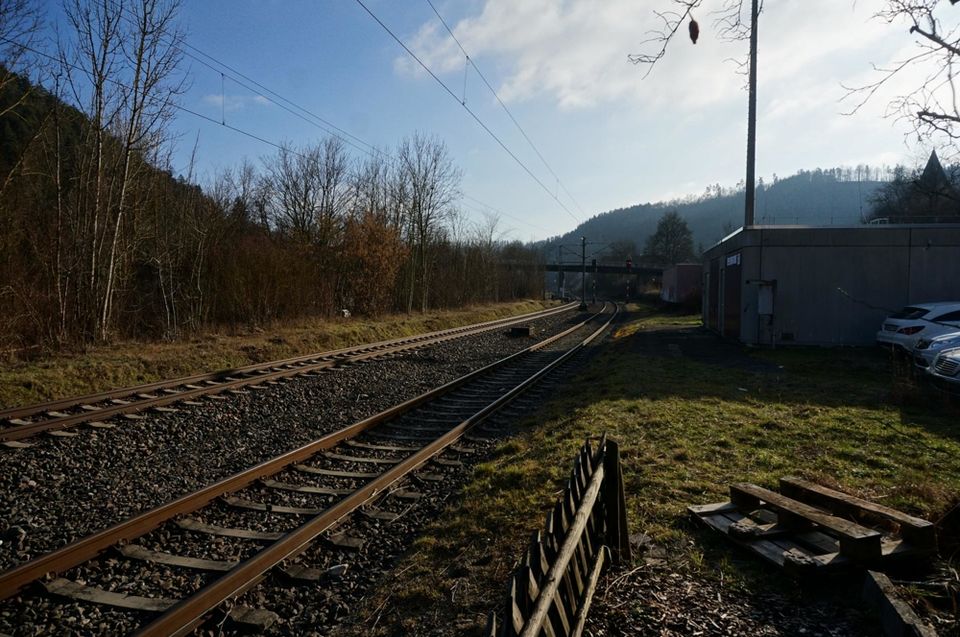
<point>807,528</point>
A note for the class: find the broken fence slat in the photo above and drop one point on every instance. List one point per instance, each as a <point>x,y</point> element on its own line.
<point>550,592</point>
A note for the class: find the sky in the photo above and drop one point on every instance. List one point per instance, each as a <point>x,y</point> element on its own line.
<point>613,137</point>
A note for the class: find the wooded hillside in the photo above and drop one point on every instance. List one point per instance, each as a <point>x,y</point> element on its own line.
<point>98,238</point>
<point>817,197</point>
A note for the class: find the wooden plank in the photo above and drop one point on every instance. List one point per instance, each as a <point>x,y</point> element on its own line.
<point>137,552</point>
<point>897,619</point>
<point>357,475</point>
<point>580,618</point>
<point>190,524</point>
<point>516,612</point>
<point>386,435</point>
<point>344,541</point>
<point>80,592</point>
<point>366,445</point>
<point>358,459</point>
<point>915,530</point>
<point>303,488</point>
<point>241,503</point>
<point>302,574</point>
<point>856,541</point>
<point>253,620</point>
<point>378,514</point>
<point>406,494</point>
<point>443,462</point>
<point>780,550</point>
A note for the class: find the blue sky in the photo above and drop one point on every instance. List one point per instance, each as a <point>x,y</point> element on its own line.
<point>613,138</point>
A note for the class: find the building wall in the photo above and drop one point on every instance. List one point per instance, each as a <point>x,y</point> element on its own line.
<point>681,283</point>
<point>828,286</point>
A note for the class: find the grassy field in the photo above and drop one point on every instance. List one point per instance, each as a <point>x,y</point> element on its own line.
<point>133,363</point>
<point>692,415</point>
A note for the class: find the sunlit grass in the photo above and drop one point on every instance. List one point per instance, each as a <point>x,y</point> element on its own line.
<point>136,362</point>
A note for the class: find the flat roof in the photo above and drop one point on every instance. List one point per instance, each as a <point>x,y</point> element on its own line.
<point>870,227</point>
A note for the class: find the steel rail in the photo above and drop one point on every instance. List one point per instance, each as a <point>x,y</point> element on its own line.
<point>90,546</point>
<point>99,397</point>
<point>184,616</point>
<point>280,370</point>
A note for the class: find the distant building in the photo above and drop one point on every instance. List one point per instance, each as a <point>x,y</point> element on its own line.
<point>930,198</point>
<point>681,283</point>
<point>771,285</point>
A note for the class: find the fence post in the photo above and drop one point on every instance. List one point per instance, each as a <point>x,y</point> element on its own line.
<point>618,536</point>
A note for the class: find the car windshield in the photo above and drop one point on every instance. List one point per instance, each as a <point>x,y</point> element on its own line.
<point>910,313</point>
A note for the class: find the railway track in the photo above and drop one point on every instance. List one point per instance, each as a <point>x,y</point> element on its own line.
<point>264,523</point>
<point>20,423</point>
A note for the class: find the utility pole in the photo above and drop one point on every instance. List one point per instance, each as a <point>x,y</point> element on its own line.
<point>559,272</point>
<point>583,280</point>
<point>752,120</point>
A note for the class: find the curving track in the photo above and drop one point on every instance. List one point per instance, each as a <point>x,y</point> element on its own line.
<point>19,423</point>
<point>378,461</point>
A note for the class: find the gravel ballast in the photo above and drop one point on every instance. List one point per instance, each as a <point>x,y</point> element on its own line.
<point>61,489</point>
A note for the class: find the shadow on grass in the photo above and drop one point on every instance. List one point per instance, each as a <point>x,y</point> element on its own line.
<point>691,363</point>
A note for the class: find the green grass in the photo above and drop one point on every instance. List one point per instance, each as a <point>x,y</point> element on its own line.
<point>687,430</point>
<point>135,362</point>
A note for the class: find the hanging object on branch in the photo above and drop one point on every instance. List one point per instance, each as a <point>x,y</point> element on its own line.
<point>694,30</point>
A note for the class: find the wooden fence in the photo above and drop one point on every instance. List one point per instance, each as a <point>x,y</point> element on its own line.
<point>550,592</point>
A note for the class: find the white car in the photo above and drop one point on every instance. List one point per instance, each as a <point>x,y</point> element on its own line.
<point>923,320</point>
<point>927,348</point>
<point>945,370</point>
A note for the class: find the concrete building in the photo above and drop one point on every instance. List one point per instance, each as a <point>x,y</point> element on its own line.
<point>681,283</point>
<point>771,285</point>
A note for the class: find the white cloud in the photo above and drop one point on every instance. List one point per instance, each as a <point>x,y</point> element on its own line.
<point>233,103</point>
<point>574,52</point>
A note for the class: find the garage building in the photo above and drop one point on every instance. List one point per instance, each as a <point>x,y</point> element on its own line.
<point>771,285</point>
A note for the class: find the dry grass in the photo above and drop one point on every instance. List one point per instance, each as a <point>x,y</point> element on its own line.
<point>134,362</point>
<point>687,429</point>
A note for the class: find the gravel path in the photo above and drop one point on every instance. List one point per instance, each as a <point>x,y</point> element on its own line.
<point>61,489</point>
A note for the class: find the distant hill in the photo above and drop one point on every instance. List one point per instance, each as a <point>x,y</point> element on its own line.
<point>819,197</point>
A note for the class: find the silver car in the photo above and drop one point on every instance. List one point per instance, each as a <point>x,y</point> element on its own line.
<point>945,370</point>
<point>927,348</point>
<point>903,329</point>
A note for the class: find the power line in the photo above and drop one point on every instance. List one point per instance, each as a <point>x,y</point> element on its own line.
<point>237,76</point>
<point>167,102</point>
<point>501,212</point>
<point>237,129</point>
<point>225,70</point>
<point>476,68</point>
<point>469,110</point>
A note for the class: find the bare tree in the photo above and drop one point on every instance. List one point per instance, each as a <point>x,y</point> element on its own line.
<point>151,50</point>
<point>434,186</point>
<point>731,20</point>
<point>930,106</point>
<point>19,29</point>
<point>126,73</point>
<point>290,187</point>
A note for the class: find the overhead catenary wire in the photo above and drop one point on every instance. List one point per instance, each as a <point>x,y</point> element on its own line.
<point>469,110</point>
<point>167,102</point>
<point>226,71</point>
<point>238,77</point>
<point>471,62</point>
<point>242,79</point>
